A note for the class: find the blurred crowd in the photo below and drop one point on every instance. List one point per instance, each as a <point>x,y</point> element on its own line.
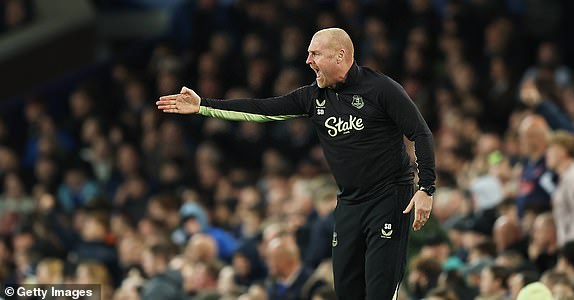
<point>158,206</point>
<point>15,14</point>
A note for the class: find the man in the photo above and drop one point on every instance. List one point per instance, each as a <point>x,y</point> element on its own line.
<point>360,117</point>
<point>163,282</point>
<point>543,247</point>
<point>506,233</point>
<point>536,182</point>
<point>423,276</point>
<point>560,159</point>
<point>288,278</point>
<point>493,283</point>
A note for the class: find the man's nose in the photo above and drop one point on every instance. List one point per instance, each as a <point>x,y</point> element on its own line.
<point>309,59</point>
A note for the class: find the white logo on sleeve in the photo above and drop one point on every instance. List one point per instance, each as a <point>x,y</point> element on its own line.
<point>335,242</point>
<point>338,125</point>
<point>386,231</point>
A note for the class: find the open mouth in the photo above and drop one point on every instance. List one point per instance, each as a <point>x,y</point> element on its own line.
<point>317,73</point>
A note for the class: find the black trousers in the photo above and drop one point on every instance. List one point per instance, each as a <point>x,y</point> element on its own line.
<point>370,245</point>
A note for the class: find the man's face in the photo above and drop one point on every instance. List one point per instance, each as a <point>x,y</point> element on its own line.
<point>322,59</point>
<point>487,282</point>
<point>542,234</point>
<point>273,263</point>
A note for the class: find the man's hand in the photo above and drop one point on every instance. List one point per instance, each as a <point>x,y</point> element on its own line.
<point>186,102</point>
<point>422,203</point>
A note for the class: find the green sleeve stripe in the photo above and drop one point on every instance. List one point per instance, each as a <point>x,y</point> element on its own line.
<point>241,116</point>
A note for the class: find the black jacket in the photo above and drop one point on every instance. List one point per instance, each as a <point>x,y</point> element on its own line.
<point>166,286</point>
<point>360,124</point>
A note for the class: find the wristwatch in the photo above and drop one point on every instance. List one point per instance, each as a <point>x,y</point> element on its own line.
<point>428,189</point>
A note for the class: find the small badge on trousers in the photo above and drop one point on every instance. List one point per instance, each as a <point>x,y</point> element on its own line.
<point>386,231</point>
<point>335,242</point>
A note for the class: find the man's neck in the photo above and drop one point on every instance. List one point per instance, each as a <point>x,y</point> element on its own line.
<point>159,270</point>
<point>343,78</point>
<point>536,155</point>
<point>290,277</point>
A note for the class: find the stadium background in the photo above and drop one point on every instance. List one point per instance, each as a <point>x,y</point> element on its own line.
<point>96,186</point>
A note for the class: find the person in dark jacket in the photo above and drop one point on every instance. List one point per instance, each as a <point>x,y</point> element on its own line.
<point>163,282</point>
<point>360,117</point>
<point>288,278</point>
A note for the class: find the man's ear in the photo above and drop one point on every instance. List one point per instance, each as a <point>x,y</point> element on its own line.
<point>340,56</point>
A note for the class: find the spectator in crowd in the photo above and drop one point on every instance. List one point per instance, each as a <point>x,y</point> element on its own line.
<point>50,271</point>
<point>162,283</point>
<point>423,276</point>
<point>543,247</point>
<point>90,272</point>
<point>325,201</point>
<point>201,248</point>
<point>200,278</point>
<point>130,249</point>
<point>195,221</point>
<point>549,61</point>
<point>453,280</point>
<point>14,199</point>
<point>288,277</point>
<point>45,138</point>
<point>536,183</point>
<point>506,233</point>
<point>560,159</point>
<point>544,104</point>
<point>76,190</point>
<point>248,266</point>
<point>95,244</point>
<point>493,283</point>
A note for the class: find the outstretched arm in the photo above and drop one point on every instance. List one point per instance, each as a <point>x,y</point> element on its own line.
<point>254,110</point>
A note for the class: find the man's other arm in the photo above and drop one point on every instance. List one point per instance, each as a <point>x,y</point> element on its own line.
<point>404,112</point>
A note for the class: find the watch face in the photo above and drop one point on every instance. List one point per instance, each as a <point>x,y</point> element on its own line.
<point>429,190</point>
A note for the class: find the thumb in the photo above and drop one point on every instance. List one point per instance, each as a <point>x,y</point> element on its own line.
<point>184,90</point>
<point>409,207</point>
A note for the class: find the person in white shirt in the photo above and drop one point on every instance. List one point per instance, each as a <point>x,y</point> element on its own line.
<point>560,159</point>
